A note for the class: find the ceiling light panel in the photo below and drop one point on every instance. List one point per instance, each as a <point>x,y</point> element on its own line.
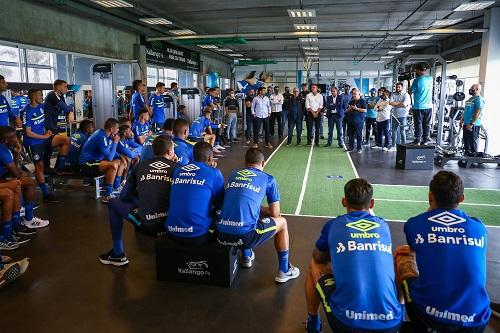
<point>387,57</point>
<point>305,26</point>
<point>112,3</point>
<point>207,46</point>
<point>308,39</point>
<point>300,13</point>
<point>310,48</point>
<point>421,37</point>
<point>442,23</point>
<point>402,46</point>
<point>235,55</point>
<point>311,54</point>
<point>395,51</point>
<point>225,50</point>
<point>473,6</point>
<point>379,62</point>
<point>182,32</point>
<point>154,20</point>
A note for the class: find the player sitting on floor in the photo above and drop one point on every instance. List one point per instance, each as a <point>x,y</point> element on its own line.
<point>128,148</point>
<point>152,179</point>
<point>99,157</point>
<point>147,150</point>
<point>244,223</point>
<point>142,127</point>
<point>183,149</point>
<point>352,271</point>
<point>39,142</point>
<point>10,151</point>
<point>442,272</point>
<point>199,191</point>
<point>78,140</point>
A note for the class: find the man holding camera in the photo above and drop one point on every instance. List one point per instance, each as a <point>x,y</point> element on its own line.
<point>421,89</point>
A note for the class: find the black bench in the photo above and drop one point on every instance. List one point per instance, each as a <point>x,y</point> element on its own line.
<point>211,264</point>
<point>60,182</point>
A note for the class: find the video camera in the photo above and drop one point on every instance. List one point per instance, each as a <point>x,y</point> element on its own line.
<point>406,76</point>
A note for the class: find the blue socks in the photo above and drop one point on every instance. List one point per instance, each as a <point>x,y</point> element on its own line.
<point>118,247</point>
<point>7,229</point>
<point>118,180</point>
<point>283,259</point>
<point>16,220</point>
<point>62,162</point>
<point>247,253</point>
<point>43,187</point>
<point>109,189</point>
<point>28,210</point>
<point>313,322</point>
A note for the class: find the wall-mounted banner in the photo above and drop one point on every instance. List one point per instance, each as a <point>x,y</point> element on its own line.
<point>163,54</point>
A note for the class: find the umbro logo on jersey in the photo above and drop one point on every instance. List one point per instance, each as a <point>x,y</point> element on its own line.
<point>246,173</point>
<point>446,218</point>
<point>190,167</point>
<point>363,225</point>
<point>175,145</point>
<point>159,165</point>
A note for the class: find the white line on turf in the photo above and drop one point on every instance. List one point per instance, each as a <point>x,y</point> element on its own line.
<point>467,188</point>
<point>304,182</point>
<point>353,167</point>
<point>422,201</point>
<point>274,152</point>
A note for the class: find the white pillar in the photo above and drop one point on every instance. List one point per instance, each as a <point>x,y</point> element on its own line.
<point>489,72</point>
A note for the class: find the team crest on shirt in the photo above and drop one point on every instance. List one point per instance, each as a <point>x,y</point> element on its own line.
<point>364,226</point>
<point>446,218</point>
<point>245,174</point>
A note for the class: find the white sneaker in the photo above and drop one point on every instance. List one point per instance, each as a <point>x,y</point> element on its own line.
<point>246,261</point>
<point>219,147</point>
<point>105,199</point>
<point>36,223</point>
<point>22,211</point>
<point>384,149</point>
<point>215,150</point>
<point>393,148</point>
<point>376,147</point>
<point>292,273</point>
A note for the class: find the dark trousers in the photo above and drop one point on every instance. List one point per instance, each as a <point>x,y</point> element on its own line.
<point>294,123</point>
<point>256,127</point>
<point>470,139</point>
<point>371,126</point>
<point>310,120</point>
<point>344,128</point>
<point>383,130</point>
<point>422,123</point>
<point>275,116</point>
<point>355,131</point>
<point>248,130</point>
<point>335,120</point>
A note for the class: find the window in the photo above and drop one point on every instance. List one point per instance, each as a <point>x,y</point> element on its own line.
<point>9,63</point>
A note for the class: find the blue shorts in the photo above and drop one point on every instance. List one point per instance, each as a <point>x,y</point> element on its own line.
<point>426,324</point>
<point>37,152</point>
<point>326,287</point>
<point>264,231</point>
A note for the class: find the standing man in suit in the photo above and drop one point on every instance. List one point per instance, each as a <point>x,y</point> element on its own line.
<point>335,110</point>
<point>296,108</point>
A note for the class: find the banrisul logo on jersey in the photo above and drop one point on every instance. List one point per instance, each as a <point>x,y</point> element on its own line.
<point>245,174</point>
<point>364,226</point>
<point>195,268</point>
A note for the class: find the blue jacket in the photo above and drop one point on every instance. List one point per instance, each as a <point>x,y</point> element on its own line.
<point>338,104</point>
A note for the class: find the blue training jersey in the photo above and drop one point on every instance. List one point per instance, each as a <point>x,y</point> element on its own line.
<point>360,247</point>
<point>147,146</point>
<point>245,191</point>
<point>370,112</point>
<point>183,150</point>
<point>5,111</point>
<point>422,92</point>
<point>136,103</point>
<point>158,108</point>
<point>198,126</point>
<point>34,118</point>
<point>198,189</point>
<point>207,100</point>
<point>473,103</point>
<point>78,140</point>
<point>140,129</point>
<point>98,147</point>
<point>129,148</point>
<point>19,103</point>
<point>5,158</point>
<point>450,250</point>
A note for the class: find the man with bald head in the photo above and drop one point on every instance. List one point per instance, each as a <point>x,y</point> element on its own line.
<point>471,120</point>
